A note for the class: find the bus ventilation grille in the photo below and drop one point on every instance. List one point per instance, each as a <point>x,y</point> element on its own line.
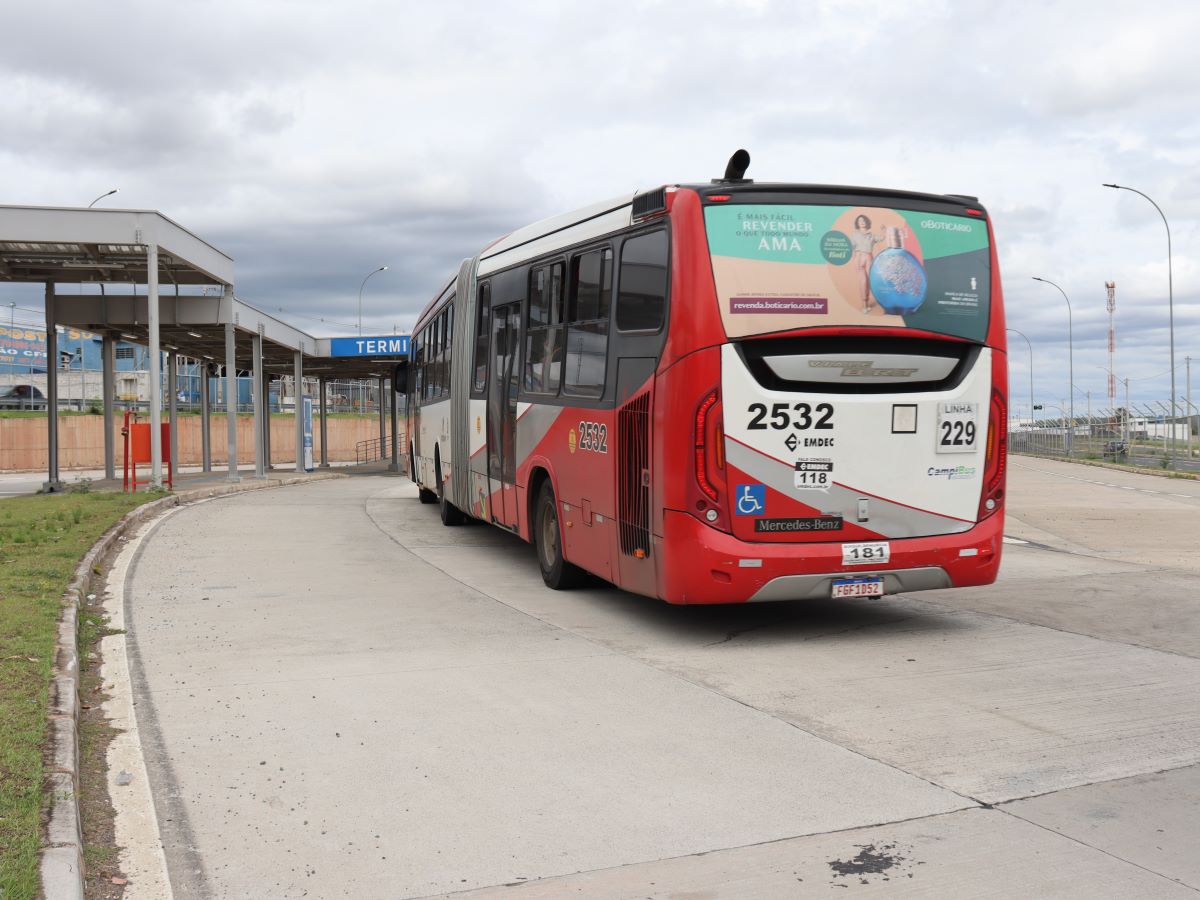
<point>649,203</point>
<point>633,476</point>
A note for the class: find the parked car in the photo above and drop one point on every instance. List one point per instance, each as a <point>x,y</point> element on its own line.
<point>22,396</point>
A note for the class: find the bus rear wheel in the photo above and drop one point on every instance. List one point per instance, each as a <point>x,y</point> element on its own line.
<point>451,514</point>
<point>547,537</point>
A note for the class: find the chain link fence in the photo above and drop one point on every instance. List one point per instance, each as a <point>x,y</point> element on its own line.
<point>1142,435</point>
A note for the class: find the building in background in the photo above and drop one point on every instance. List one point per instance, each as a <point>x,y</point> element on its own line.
<point>81,381</point>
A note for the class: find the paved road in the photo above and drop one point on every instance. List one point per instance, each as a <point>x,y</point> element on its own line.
<point>340,697</point>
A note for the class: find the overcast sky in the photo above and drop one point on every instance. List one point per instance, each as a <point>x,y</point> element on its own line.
<point>314,142</point>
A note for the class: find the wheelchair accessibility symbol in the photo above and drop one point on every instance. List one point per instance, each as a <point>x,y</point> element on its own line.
<point>751,499</point>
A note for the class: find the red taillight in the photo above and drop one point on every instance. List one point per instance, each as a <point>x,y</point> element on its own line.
<point>995,459</point>
<point>701,448</point>
<point>974,212</point>
<point>719,198</point>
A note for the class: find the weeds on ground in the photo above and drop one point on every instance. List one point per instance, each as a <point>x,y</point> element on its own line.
<point>42,539</point>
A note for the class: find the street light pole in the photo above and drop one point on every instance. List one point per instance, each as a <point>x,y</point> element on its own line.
<point>1170,305</point>
<point>1030,346</point>
<point>360,290</point>
<point>1070,360</point>
<point>101,197</point>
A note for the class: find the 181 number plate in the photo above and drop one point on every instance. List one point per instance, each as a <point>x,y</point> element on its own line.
<point>866,553</point>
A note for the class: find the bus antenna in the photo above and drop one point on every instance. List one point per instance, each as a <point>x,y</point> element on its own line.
<point>735,171</point>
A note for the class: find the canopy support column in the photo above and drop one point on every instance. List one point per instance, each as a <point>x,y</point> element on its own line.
<point>173,409</point>
<point>152,317</point>
<point>53,483</point>
<point>299,396</point>
<point>231,397</point>
<point>260,450</point>
<point>394,466</point>
<point>266,401</point>
<point>205,423</point>
<point>108,363</point>
<point>324,431</point>
<point>382,419</point>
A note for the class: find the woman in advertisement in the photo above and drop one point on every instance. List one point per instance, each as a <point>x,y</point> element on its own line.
<point>864,240</point>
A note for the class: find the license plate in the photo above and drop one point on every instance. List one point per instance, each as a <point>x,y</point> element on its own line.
<point>866,553</point>
<point>858,587</point>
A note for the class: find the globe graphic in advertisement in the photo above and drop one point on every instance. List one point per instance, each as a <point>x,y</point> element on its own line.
<point>898,281</point>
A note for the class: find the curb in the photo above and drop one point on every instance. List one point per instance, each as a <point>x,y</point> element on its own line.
<point>61,866</point>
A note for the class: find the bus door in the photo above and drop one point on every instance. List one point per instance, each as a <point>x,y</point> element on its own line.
<point>502,413</point>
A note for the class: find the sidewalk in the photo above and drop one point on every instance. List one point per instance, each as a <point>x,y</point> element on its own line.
<point>16,484</point>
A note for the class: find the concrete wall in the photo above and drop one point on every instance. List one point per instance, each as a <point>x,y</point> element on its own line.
<point>81,440</point>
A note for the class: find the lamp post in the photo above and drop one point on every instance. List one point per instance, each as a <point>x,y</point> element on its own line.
<point>360,290</point>
<point>1170,305</point>
<point>1070,360</point>
<point>1030,346</point>
<point>101,197</point>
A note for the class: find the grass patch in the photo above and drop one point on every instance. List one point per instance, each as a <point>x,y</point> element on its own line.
<point>41,414</point>
<point>42,539</point>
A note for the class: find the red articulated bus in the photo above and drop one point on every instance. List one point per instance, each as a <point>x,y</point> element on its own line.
<point>726,392</point>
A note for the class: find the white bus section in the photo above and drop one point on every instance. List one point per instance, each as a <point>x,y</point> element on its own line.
<point>183,303</point>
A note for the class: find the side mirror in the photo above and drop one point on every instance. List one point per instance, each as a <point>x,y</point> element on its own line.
<point>400,378</point>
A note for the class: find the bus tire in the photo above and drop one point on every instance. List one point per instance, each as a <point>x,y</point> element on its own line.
<point>451,514</point>
<point>558,574</point>
<point>426,496</point>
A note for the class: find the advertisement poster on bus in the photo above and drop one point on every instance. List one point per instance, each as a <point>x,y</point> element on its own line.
<point>782,266</point>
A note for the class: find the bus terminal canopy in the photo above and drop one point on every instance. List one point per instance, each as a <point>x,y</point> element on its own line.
<point>54,246</point>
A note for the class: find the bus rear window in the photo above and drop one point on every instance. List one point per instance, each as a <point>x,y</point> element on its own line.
<point>780,266</point>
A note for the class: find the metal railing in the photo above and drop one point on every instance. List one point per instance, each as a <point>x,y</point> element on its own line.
<point>1141,436</point>
<point>375,449</point>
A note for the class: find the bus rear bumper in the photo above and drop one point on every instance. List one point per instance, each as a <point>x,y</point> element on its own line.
<point>817,586</point>
<point>715,567</point>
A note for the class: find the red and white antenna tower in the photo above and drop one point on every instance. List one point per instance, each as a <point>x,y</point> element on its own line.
<point>1111,286</point>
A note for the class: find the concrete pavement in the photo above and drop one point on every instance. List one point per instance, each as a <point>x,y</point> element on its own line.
<point>340,697</point>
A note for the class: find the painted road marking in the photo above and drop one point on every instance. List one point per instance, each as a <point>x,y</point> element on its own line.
<point>1123,487</point>
<point>1013,540</point>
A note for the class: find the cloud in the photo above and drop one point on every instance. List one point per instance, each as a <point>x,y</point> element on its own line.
<point>315,141</point>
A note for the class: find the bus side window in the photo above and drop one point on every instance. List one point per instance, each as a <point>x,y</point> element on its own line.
<point>419,368</point>
<point>587,323</point>
<point>642,298</point>
<point>543,330</point>
<point>440,387</point>
<point>449,344</point>
<point>482,324</point>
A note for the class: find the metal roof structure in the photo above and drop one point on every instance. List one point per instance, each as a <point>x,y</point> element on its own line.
<point>124,247</point>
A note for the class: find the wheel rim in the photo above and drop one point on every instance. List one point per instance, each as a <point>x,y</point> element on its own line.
<point>549,536</point>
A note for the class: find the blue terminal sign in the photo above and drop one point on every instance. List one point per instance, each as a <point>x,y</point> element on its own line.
<point>388,345</point>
